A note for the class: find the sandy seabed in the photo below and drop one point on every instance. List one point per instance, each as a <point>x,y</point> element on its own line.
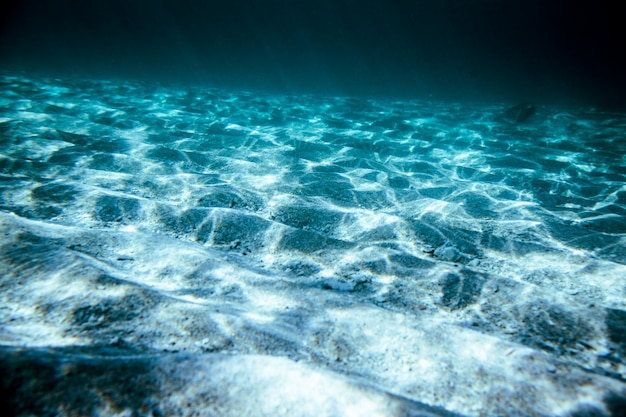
<point>183,251</point>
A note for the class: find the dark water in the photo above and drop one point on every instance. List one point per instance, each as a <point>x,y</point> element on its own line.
<point>255,209</point>
<point>556,51</point>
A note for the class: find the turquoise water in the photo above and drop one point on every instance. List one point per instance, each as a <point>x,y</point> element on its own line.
<point>410,253</point>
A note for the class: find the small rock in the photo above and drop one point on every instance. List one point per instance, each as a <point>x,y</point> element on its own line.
<point>474,262</point>
<point>447,253</point>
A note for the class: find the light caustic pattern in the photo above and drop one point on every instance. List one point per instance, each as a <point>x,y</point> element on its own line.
<point>430,250</point>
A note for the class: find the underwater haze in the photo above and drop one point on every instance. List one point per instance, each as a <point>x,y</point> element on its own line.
<point>283,208</point>
<point>558,51</point>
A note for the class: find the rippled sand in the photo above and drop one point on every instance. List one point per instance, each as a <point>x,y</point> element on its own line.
<point>166,251</point>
